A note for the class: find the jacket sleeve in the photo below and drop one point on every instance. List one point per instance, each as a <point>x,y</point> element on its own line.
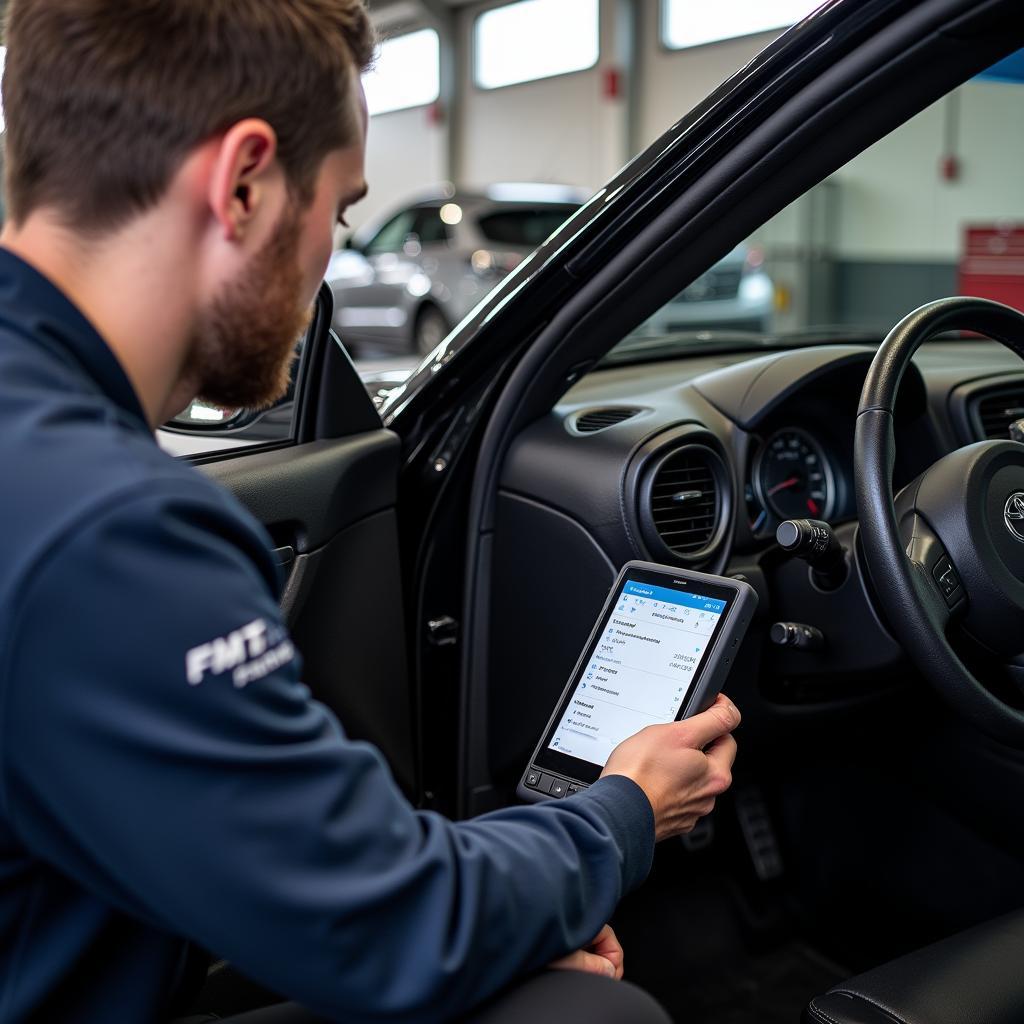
<point>160,750</point>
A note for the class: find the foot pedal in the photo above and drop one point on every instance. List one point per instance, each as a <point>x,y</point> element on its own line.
<point>700,837</point>
<point>758,833</point>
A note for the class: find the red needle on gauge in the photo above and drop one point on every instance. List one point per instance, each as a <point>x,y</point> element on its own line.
<point>791,482</point>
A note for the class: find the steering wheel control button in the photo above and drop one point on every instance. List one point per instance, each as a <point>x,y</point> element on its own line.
<point>947,579</point>
<point>532,779</point>
<point>558,787</point>
<point>1013,515</point>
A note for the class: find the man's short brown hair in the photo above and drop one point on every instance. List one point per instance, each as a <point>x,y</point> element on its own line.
<point>104,99</point>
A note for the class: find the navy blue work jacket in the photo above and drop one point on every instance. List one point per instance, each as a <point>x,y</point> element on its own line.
<point>165,776</point>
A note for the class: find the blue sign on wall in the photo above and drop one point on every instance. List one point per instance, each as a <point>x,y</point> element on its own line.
<point>1009,69</point>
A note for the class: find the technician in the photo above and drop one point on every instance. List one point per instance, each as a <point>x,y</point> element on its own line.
<point>174,170</point>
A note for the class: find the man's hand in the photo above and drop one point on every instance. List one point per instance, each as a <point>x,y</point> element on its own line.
<point>602,956</point>
<point>681,766</point>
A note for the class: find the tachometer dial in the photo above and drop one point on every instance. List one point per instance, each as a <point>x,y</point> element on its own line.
<point>793,477</point>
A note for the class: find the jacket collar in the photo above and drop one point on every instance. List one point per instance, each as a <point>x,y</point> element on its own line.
<point>34,306</point>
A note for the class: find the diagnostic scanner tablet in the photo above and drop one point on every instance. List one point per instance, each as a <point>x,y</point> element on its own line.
<point>661,651</point>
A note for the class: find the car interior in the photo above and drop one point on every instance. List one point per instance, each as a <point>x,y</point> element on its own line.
<point>446,555</point>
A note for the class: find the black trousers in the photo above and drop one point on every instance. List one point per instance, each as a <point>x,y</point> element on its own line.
<point>552,997</point>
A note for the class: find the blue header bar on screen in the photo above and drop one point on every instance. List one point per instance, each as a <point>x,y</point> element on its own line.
<point>648,591</point>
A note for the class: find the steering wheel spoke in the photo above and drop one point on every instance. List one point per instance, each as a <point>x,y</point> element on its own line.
<point>936,580</point>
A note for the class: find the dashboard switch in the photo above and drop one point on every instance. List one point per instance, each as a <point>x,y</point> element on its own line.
<point>796,634</point>
<point>814,542</point>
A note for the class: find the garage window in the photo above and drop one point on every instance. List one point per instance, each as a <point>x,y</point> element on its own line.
<point>694,22</point>
<point>534,39</point>
<point>407,73</point>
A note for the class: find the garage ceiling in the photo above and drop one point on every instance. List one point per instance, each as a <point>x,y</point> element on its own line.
<point>387,14</point>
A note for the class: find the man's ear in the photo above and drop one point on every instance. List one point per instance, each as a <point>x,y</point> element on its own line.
<point>240,178</point>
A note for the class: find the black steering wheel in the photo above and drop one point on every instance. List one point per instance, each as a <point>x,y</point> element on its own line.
<point>950,545</point>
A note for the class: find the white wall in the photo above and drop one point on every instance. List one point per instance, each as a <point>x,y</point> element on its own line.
<point>562,129</point>
<point>559,129</point>
<point>673,82</point>
<point>890,203</point>
<point>405,152</point>
<point>894,203</point>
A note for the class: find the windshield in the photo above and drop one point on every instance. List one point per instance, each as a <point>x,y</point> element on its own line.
<point>934,209</point>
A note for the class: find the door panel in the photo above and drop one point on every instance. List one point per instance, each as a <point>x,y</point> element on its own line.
<point>328,503</point>
<point>344,605</point>
<point>307,494</point>
<point>332,503</point>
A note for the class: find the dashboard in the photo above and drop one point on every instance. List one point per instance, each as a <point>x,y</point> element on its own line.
<point>694,462</point>
<point>771,435</point>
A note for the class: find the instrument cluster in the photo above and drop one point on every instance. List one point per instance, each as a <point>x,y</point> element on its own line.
<point>793,476</point>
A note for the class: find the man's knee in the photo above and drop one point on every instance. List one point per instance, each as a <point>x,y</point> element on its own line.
<point>552,997</point>
<point>567,997</point>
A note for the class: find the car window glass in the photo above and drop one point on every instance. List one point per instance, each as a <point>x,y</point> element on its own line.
<point>936,208</point>
<point>525,226</point>
<point>392,237</point>
<point>429,227</point>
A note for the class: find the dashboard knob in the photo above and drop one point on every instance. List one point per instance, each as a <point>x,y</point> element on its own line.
<point>796,634</point>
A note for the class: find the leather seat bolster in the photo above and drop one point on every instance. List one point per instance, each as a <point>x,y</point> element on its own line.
<point>837,1007</point>
<point>974,977</point>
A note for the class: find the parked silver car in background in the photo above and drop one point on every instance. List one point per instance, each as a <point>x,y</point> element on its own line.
<point>403,281</point>
<point>735,294</point>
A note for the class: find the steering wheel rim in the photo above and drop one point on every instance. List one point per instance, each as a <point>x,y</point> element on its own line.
<point>907,591</point>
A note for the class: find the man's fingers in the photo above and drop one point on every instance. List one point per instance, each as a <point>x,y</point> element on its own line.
<point>722,752</point>
<point>721,718</point>
<point>721,755</point>
<point>588,963</point>
<point>608,946</point>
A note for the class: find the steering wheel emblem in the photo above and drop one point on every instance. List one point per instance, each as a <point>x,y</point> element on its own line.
<point>1013,514</point>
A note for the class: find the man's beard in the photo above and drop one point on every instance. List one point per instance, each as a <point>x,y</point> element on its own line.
<point>243,346</point>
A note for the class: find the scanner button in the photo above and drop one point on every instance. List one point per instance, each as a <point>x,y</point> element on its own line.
<point>532,778</point>
<point>558,787</point>
<point>574,788</point>
<point>544,783</point>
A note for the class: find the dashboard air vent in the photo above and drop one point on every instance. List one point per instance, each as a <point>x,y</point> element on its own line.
<point>598,419</point>
<point>685,499</point>
<point>995,412</point>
